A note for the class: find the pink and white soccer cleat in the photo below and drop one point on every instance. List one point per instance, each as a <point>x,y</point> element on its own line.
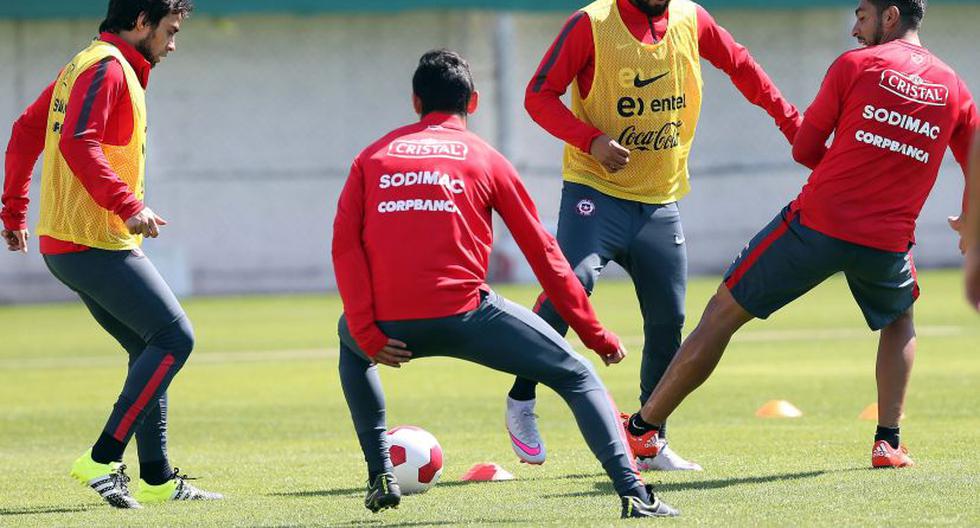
<point>522,427</point>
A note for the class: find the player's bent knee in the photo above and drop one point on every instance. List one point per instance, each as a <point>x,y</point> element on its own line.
<point>723,311</point>
<point>177,338</point>
<point>579,375</point>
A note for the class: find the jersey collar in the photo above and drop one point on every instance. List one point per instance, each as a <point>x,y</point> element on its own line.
<point>133,57</point>
<point>444,120</point>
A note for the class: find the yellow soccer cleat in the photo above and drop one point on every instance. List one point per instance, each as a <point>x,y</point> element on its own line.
<point>108,480</point>
<point>177,488</point>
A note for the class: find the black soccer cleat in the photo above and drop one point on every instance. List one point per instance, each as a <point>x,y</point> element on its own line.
<point>634,507</point>
<point>383,493</point>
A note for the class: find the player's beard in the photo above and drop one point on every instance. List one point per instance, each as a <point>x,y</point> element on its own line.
<point>145,47</point>
<point>651,11</point>
<point>879,35</point>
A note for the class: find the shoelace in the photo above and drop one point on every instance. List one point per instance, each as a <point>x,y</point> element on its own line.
<point>120,479</point>
<point>523,431</point>
<point>178,476</point>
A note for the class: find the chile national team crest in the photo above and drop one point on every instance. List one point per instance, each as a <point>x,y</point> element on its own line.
<point>585,207</point>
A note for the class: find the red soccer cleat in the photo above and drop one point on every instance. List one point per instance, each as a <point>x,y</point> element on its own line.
<point>883,455</point>
<point>646,446</point>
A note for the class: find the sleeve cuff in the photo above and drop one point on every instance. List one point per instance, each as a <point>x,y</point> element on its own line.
<point>130,208</point>
<point>586,146</point>
<point>13,223</point>
<point>373,343</point>
<point>605,343</point>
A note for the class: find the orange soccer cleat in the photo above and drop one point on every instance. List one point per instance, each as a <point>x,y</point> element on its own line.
<point>647,445</point>
<point>883,455</point>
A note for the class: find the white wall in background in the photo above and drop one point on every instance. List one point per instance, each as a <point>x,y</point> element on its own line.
<point>254,122</point>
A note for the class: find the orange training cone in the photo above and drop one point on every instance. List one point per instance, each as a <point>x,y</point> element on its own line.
<point>778,409</point>
<point>487,472</point>
<point>871,413</point>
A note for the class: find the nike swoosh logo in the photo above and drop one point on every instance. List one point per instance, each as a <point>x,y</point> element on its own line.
<point>532,451</point>
<point>640,83</point>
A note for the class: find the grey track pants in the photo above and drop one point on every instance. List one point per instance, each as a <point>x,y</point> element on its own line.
<point>503,336</point>
<point>647,240</point>
<point>130,300</point>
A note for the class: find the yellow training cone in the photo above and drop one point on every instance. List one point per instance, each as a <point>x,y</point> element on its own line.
<point>871,413</point>
<point>778,409</point>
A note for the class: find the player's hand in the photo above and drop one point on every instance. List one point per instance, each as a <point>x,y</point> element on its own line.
<point>609,153</point>
<point>956,224</point>
<point>971,269</point>
<point>393,354</point>
<point>16,239</point>
<point>145,223</point>
<point>616,357</point>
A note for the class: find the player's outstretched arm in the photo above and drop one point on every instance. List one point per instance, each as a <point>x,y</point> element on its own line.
<point>351,267</point>
<point>512,201</point>
<point>718,46</point>
<point>25,146</point>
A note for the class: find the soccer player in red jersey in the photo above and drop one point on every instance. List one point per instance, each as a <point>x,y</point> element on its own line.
<point>894,108</point>
<point>634,70</point>
<point>972,264</point>
<point>90,125</point>
<point>412,240</point>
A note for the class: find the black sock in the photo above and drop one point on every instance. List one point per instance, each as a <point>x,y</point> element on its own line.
<point>637,427</point>
<point>107,449</point>
<point>662,431</point>
<point>888,434</point>
<point>639,492</point>
<point>156,473</point>
<point>523,390</point>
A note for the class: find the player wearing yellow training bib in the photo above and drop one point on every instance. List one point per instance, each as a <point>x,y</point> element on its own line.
<point>646,96</point>
<point>634,68</point>
<point>90,125</point>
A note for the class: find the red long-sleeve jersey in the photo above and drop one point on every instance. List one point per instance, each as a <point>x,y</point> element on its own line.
<point>893,109</point>
<point>99,111</point>
<point>413,233</point>
<point>571,57</point>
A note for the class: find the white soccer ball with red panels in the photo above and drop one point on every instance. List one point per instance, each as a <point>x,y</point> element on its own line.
<point>417,458</point>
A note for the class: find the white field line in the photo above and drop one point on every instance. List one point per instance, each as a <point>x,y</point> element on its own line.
<point>206,357</point>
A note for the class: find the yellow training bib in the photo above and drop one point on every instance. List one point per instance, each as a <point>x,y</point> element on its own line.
<point>67,211</point>
<point>645,96</point>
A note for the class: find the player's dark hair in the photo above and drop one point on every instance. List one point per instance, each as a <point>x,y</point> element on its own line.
<point>123,14</point>
<point>443,82</point>
<point>912,11</point>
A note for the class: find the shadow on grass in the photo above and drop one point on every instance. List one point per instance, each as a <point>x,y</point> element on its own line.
<point>365,522</point>
<point>38,510</point>
<point>375,521</point>
<point>357,492</point>
<point>606,488</point>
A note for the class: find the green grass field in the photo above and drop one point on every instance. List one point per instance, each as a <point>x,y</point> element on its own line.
<point>258,414</point>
